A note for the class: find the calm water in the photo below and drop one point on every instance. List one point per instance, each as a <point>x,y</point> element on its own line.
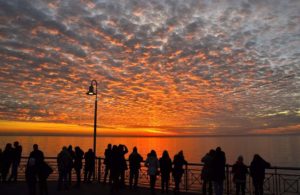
<point>278,150</point>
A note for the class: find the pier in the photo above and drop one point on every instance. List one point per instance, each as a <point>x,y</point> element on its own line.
<point>278,181</point>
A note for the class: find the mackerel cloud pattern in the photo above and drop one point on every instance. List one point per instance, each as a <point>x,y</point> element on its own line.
<point>193,66</point>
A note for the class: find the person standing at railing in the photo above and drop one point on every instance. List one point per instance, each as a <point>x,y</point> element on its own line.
<point>165,163</point>
<point>78,164</point>
<point>64,160</point>
<point>43,173</point>
<point>135,160</point>
<point>153,165</point>
<point>206,173</point>
<point>30,175</point>
<point>178,170</point>
<point>72,154</point>
<point>257,172</point>
<point>122,151</point>
<point>1,164</point>
<point>218,176</point>
<point>115,168</point>
<point>16,159</point>
<point>107,162</point>
<point>7,161</point>
<point>37,159</point>
<point>239,170</point>
<point>89,167</point>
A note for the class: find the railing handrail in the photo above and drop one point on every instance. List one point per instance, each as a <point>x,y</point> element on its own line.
<point>195,164</point>
<point>278,181</point>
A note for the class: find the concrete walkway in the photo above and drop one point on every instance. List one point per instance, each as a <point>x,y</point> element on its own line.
<point>20,188</point>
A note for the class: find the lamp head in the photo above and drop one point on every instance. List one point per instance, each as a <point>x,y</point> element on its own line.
<point>91,91</point>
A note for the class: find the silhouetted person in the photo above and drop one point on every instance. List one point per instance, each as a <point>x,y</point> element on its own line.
<point>153,165</point>
<point>207,171</point>
<point>37,156</point>
<point>78,164</point>
<point>257,171</point>
<point>115,168</point>
<point>178,170</point>
<point>218,176</point>
<point>31,175</point>
<point>1,164</point>
<point>135,160</point>
<point>43,173</point>
<point>16,159</point>
<point>72,154</point>
<point>64,160</point>
<point>122,151</point>
<point>107,162</point>
<point>7,160</point>
<point>89,167</point>
<point>239,170</point>
<point>165,163</point>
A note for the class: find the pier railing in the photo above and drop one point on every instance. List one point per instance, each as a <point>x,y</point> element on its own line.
<point>278,180</point>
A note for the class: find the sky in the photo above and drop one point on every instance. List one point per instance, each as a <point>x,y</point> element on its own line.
<point>163,67</point>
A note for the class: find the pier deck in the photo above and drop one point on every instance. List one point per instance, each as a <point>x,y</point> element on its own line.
<point>20,188</point>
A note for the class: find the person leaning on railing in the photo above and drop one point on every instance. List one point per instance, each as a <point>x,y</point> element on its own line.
<point>257,171</point>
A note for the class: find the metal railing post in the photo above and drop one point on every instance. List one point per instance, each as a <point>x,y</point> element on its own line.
<point>227,180</point>
<point>276,190</point>
<point>186,177</point>
<point>99,169</point>
<point>94,169</point>
<point>250,184</point>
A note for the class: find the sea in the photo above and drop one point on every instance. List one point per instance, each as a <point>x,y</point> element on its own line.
<point>281,151</point>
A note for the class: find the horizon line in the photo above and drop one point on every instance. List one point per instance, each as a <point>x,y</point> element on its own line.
<point>145,136</point>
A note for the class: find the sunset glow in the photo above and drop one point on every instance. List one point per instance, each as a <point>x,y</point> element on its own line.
<point>164,68</point>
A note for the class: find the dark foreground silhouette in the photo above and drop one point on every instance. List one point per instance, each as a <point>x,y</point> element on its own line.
<point>20,188</point>
<point>213,172</point>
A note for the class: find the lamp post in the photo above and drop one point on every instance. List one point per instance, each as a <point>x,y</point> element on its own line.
<point>92,91</point>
